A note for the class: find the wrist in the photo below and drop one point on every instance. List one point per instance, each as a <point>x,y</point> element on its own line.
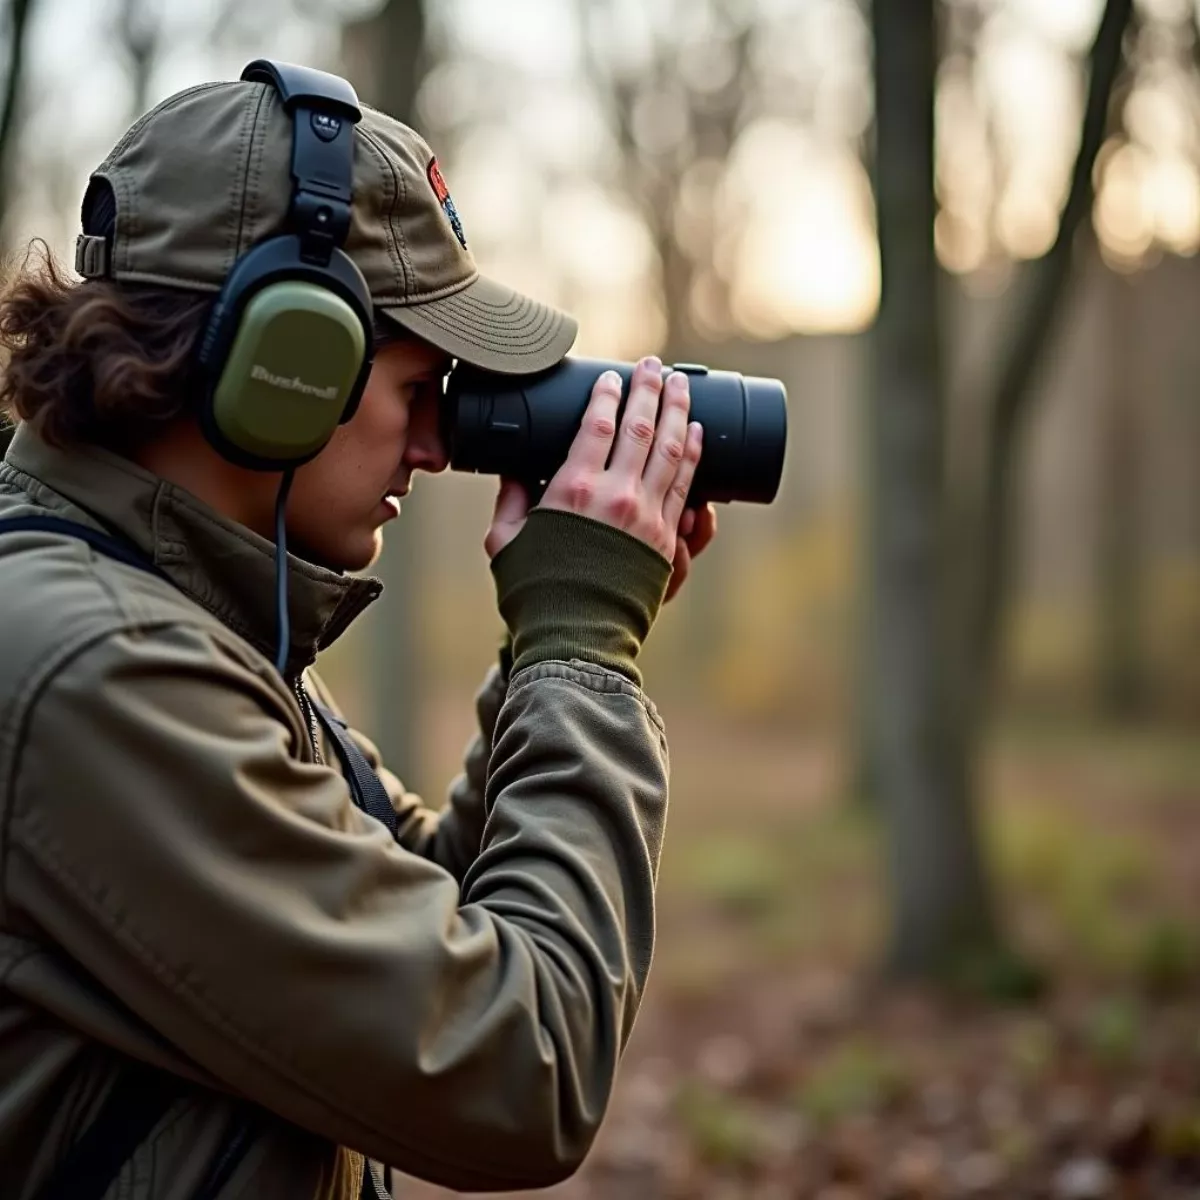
<point>570,587</point>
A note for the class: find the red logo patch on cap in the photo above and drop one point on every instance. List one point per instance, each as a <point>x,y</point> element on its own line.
<point>437,181</point>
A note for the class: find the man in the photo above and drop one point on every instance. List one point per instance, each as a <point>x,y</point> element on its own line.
<point>188,895</point>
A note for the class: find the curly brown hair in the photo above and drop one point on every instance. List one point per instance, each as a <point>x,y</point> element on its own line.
<point>96,362</point>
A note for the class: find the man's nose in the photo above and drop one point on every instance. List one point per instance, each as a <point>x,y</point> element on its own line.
<point>426,451</point>
<point>431,458</point>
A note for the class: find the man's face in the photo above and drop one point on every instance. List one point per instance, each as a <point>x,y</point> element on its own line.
<point>340,501</point>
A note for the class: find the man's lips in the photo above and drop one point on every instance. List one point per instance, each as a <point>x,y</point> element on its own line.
<point>392,498</point>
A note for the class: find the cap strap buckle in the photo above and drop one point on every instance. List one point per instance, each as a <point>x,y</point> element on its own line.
<point>91,256</point>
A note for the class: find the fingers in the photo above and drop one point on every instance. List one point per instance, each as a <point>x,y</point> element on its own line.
<point>636,477</point>
<point>677,493</point>
<point>667,451</point>
<point>638,425</point>
<point>590,450</point>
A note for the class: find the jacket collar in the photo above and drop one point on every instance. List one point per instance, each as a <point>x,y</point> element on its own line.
<point>221,565</point>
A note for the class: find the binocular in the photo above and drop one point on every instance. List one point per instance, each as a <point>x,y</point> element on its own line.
<point>522,426</point>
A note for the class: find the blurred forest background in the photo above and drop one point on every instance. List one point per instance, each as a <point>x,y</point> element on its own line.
<point>929,898</point>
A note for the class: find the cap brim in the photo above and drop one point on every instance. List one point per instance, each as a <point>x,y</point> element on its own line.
<point>491,326</point>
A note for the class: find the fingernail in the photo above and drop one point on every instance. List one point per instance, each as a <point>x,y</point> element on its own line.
<point>611,379</point>
<point>653,363</point>
<point>677,381</point>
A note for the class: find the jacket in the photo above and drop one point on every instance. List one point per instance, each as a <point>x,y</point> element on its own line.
<point>185,882</point>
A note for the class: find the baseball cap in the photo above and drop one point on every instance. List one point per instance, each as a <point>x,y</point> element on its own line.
<point>206,174</point>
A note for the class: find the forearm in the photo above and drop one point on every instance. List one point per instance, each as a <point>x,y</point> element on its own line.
<point>452,836</point>
<point>449,836</point>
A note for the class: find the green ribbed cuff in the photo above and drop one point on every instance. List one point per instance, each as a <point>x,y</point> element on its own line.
<point>572,587</point>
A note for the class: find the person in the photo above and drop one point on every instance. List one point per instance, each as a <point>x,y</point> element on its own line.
<point>190,898</point>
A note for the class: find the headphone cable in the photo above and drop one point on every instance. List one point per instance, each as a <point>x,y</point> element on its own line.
<point>282,624</point>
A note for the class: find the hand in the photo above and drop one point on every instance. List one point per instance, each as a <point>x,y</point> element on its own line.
<point>697,528</point>
<point>642,490</point>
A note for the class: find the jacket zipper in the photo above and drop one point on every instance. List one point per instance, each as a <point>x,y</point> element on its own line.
<point>370,1187</point>
<point>309,716</point>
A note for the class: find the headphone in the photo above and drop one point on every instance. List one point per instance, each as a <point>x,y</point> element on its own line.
<point>290,339</point>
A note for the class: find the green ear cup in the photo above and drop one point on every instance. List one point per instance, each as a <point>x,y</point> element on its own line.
<point>289,372</point>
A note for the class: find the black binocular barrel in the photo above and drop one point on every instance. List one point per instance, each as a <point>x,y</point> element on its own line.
<point>523,425</point>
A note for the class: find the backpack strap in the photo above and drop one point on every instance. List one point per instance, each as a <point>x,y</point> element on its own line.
<point>104,543</point>
<point>131,1111</point>
<point>365,786</point>
<point>137,1102</point>
<point>371,796</point>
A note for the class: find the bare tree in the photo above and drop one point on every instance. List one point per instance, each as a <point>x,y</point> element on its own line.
<point>385,56</point>
<point>674,129</point>
<point>139,32</point>
<point>1030,329</point>
<point>940,898</point>
<point>927,688</point>
<point>914,741</point>
<point>671,130</point>
<point>20,13</point>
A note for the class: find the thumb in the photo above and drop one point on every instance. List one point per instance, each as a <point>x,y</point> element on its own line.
<point>512,503</point>
<point>512,507</point>
<point>679,569</point>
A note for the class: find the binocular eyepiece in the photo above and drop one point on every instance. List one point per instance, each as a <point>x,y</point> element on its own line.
<point>522,426</point>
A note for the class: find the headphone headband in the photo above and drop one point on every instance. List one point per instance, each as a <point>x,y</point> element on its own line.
<point>295,83</point>
<point>324,110</point>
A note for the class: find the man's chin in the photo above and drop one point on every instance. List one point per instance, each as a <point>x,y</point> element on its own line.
<point>373,557</point>
<point>350,555</point>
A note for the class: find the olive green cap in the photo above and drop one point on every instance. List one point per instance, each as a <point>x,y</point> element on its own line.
<point>206,175</point>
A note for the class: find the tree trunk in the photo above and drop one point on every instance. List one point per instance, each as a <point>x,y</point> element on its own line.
<point>139,34</point>
<point>385,58</point>
<point>20,12</point>
<point>940,901</point>
<point>1122,685</point>
<point>1035,323</point>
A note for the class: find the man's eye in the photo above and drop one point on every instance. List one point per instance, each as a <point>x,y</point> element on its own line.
<point>425,389</point>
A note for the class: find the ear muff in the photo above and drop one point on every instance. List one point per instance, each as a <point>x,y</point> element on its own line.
<point>288,350</point>
<point>289,343</point>
<point>290,371</point>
